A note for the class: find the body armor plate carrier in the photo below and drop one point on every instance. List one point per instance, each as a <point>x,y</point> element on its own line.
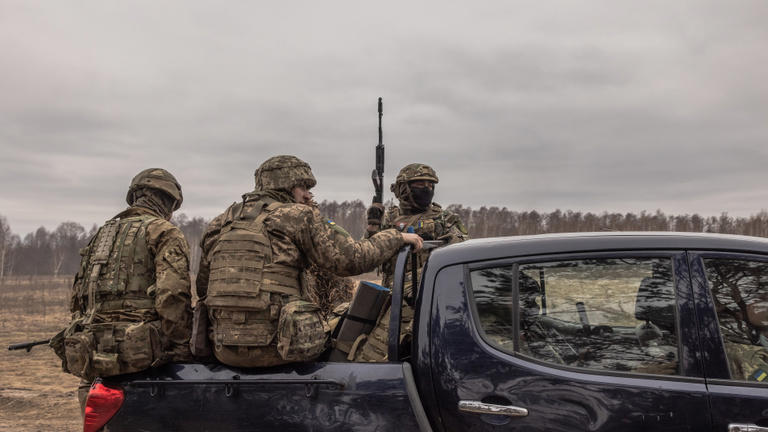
<point>257,314</point>
<point>116,329</point>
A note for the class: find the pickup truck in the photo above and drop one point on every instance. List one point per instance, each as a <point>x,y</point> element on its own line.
<point>566,332</point>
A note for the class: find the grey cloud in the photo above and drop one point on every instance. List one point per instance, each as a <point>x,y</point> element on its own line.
<point>607,106</point>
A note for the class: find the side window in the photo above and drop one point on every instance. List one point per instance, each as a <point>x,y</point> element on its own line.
<point>740,293</point>
<point>616,314</point>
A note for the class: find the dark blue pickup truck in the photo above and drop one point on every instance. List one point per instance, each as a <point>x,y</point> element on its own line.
<point>573,332</point>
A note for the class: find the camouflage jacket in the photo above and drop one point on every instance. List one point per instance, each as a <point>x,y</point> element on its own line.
<point>322,287</point>
<point>299,237</point>
<point>169,255</point>
<point>747,362</point>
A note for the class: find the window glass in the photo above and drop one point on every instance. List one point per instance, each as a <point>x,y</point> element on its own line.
<point>609,314</point>
<point>492,292</point>
<point>740,292</point>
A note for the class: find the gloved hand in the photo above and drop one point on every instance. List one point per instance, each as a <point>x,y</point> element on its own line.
<point>375,214</point>
<point>449,238</point>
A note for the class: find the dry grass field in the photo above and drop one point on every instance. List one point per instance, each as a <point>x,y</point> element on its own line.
<point>35,395</point>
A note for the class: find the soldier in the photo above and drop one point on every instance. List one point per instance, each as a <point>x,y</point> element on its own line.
<point>251,265</point>
<point>414,187</point>
<point>749,362</point>
<point>130,300</point>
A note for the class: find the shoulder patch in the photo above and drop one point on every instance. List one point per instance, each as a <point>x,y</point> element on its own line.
<point>337,228</point>
<point>758,375</point>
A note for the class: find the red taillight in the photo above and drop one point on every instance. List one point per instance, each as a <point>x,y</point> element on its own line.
<point>102,403</point>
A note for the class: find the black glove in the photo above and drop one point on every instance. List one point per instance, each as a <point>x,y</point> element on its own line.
<point>375,214</point>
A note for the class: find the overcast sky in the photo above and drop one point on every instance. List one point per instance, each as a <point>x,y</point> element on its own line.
<point>592,106</point>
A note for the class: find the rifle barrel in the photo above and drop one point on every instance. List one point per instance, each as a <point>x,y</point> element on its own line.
<point>381,113</point>
<point>27,345</point>
<point>378,173</point>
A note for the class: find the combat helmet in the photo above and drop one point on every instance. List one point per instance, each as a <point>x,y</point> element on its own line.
<point>409,173</point>
<point>156,178</point>
<point>284,172</point>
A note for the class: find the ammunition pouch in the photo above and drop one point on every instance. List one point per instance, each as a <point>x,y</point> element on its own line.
<point>141,346</point>
<point>102,350</point>
<point>251,326</point>
<point>77,351</point>
<point>303,334</point>
<point>57,345</point>
<point>105,364</point>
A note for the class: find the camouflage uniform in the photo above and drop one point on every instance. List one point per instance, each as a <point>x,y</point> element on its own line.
<point>325,288</point>
<point>130,300</point>
<point>749,361</point>
<point>431,223</point>
<point>250,270</point>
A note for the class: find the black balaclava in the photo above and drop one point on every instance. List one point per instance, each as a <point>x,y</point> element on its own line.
<point>422,197</point>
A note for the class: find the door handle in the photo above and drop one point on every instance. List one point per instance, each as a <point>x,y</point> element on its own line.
<point>486,408</point>
<point>743,427</point>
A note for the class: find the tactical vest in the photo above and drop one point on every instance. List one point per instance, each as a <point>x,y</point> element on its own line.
<point>118,328</point>
<point>429,225</point>
<point>119,268</point>
<point>255,305</point>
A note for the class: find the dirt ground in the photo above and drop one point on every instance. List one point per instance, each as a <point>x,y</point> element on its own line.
<point>35,395</point>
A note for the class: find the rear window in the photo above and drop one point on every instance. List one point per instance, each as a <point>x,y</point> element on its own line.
<point>615,314</point>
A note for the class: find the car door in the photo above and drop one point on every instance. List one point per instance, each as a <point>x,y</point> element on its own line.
<point>731,297</point>
<point>592,341</point>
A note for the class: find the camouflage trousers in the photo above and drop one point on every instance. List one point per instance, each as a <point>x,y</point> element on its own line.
<point>374,348</point>
<point>82,394</point>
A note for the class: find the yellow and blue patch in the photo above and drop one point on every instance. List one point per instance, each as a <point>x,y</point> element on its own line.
<point>337,228</point>
<point>759,375</point>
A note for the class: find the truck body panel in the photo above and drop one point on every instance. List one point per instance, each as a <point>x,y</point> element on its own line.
<point>454,372</point>
<point>310,396</point>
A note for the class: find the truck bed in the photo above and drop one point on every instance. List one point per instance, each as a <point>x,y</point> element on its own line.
<point>301,397</point>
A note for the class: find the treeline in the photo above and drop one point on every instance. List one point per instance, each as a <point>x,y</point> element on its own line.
<point>495,221</point>
<point>56,252</point>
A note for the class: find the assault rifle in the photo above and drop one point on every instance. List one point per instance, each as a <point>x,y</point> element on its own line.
<point>28,345</point>
<point>377,176</point>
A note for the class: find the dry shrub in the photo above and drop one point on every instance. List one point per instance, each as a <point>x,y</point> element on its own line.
<point>327,290</point>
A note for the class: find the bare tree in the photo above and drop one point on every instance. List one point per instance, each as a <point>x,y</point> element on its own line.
<point>66,241</point>
<point>5,242</point>
<point>193,231</point>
